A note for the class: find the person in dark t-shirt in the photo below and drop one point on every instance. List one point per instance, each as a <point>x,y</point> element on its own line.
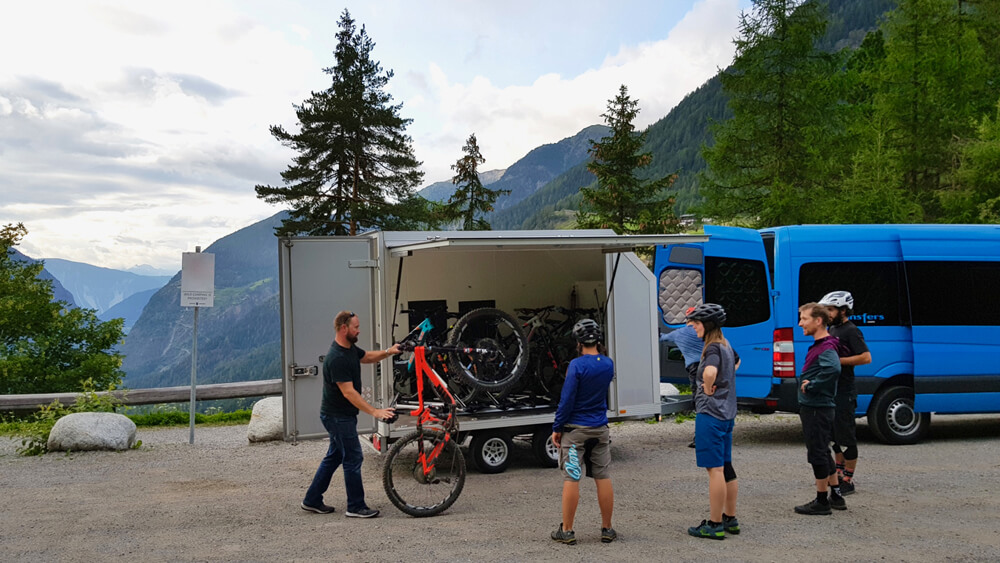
<point>853,352</point>
<point>342,401</point>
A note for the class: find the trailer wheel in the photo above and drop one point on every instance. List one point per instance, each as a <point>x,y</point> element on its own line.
<point>491,451</point>
<point>893,420</point>
<point>545,451</point>
<point>501,334</point>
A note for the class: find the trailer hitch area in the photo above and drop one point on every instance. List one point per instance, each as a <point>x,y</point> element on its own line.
<point>296,371</point>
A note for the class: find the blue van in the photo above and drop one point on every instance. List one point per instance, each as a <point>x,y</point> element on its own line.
<point>926,297</point>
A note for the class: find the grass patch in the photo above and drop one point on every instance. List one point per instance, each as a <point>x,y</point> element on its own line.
<point>684,416</point>
<point>182,418</point>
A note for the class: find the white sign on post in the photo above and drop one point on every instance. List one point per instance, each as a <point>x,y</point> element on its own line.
<point>197,279</point>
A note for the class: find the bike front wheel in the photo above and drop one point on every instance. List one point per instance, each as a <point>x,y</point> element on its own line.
<point>410,488</point>
<point>501,334</point>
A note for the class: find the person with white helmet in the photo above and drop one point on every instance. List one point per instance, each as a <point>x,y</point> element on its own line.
<point>580,431</point>
<point>853,352</point>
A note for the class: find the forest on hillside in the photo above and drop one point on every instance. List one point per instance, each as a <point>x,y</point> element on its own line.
<point>845,111</point>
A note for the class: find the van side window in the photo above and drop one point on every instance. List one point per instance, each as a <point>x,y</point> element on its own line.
<point>740,286</point>
<point>954,293</point>
<point>879,297</point>
<point>679,289</point>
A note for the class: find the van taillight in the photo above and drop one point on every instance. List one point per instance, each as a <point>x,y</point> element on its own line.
<point>784,352</point>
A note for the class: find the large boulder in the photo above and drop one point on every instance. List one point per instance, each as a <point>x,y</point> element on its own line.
<point>266,421</point>
<point>92,431</point>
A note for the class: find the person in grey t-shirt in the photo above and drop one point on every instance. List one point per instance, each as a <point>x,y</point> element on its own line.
<point>715,405</point>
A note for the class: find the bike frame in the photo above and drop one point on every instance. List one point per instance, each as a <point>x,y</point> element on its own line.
<point>424,415</point>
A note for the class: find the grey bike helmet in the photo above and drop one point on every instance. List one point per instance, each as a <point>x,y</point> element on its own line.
<point>710,313</point>
<point>588,332</point>
<point>838,299</point>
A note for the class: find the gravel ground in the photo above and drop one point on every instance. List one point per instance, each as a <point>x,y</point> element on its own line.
<point>223,499</point>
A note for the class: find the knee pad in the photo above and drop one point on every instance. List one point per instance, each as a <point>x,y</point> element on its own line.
<point>836,448</point>
<point>728,472</point>
<point>851,452</point>
<point>821,471</point>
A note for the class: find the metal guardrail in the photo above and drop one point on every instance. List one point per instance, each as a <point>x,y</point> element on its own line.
<point>213,391</point>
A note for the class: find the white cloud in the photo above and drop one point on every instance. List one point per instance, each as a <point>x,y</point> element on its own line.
<point>131,132</point>
<point>510,121</point>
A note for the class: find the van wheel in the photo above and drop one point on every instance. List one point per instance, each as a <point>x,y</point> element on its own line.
<point>491,451</point>
<point>893,420</point>
<point>545,451</point>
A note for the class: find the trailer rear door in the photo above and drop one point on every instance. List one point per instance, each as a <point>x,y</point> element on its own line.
<point>321,276</point>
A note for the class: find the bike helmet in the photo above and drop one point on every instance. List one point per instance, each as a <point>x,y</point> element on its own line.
<point>708,312</point>
<point>588,332</point>
<point>838,299</point>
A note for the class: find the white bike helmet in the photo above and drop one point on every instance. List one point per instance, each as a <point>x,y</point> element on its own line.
<point>838,299</point>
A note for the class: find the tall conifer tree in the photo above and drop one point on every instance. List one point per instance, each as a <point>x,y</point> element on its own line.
<point>622,201</point>
<point>471,198</point>
<point>774,156</point>
<point>355,167</point>
<point>927,91</point>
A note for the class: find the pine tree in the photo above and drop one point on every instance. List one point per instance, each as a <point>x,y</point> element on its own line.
<point>355,167</point>
<point>622,201</point>
<point>774,159</point>
<point>471,197</point>
<point>927,91</point>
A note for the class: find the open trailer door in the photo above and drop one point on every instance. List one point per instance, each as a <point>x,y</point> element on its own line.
<point>321,276</point>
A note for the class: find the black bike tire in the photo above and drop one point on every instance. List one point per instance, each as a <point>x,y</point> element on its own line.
<point>520,362</point>
<point>451,448</point>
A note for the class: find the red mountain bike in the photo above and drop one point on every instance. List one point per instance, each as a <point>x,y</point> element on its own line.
<point>424,471</point>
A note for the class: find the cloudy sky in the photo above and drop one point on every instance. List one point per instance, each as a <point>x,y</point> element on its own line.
<point>131,132</point>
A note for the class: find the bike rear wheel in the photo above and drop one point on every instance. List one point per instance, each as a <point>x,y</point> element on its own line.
<point>405,483</point>
<point>494,330</point>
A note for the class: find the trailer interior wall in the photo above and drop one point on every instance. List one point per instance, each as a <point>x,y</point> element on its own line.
<point>512,278</point>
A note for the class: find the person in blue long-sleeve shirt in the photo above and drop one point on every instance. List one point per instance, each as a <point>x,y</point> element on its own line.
<point>580,431</point>
<point>687,341</point>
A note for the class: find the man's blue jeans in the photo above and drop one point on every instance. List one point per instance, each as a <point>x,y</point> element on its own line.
<point>345,449</point>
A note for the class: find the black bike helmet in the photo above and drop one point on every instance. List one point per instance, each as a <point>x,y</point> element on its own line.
<point>708,313</point>
<point>586,331</point>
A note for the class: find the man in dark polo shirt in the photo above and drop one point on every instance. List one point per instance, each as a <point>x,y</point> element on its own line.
<point>853,352</point>
<point>342,401</point>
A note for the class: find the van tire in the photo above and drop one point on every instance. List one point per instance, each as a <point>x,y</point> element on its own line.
<point>491,451</point>
<point>541,444</point>
<point>892,419</point>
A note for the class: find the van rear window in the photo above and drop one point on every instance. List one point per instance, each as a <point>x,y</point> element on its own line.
<point>879,298</point>
<point>954,293</point>
<point>740,286</point>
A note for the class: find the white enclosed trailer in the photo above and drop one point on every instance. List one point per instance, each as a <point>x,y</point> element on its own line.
<point>376,274</point>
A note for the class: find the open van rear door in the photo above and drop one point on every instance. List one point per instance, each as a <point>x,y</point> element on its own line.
<point>736,277</point>
<point>731,270</point>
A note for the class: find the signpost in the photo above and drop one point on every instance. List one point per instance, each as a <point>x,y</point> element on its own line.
<point>197,290</point>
